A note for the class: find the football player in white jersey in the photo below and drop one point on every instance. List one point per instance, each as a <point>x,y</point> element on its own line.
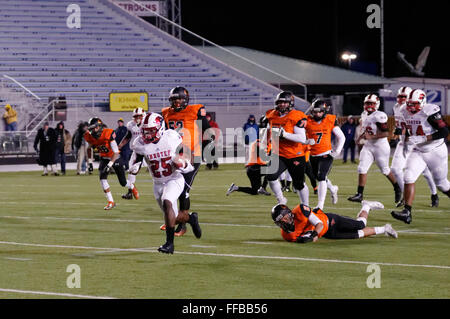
<point>399,159</point>
<point>161,149</point>
<point>425,134</point>
<point>376,148</point>
<point>135,163</point>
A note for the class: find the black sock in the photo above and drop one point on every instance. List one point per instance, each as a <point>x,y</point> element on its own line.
<point>396,187</point>
<point>283,183</point>
<point>409,208</point>
<point>360,190</point>
<point>288,184</point>
<point>170,234</point>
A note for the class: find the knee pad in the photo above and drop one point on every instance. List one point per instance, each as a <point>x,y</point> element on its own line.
<point>362,169</point>
<point>104,183</point>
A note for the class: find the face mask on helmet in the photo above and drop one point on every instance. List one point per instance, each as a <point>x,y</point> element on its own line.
<point>283,218</point>
<point>178,98</point>
<point>95,127</point>
<point>152,128</point>
<point>284,102</point>
<point>371,103</point>
<point>138,114</point>
<point>403,94</point>
<point>416,101</point>
<point>319,109</point>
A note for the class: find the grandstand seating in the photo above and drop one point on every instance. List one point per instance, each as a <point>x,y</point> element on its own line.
<point>113,51</point>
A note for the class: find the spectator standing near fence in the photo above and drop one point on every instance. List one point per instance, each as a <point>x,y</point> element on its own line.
<point>80,147</point>
<point>349,130</point>
<point>251,133</point>
<point>125,152</point>
<point>44,145</point>
<point>63,144</point>
<point>10,117</point>
<point>214,134</point>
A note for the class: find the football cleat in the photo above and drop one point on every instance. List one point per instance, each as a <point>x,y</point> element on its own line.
<point>128,195</point>
<point>163,227</point>
<point>167,248</point>
<point>135,192</point>
<point>193,221</point>
<point>405,215</point>
<point>110,205</point>
<point>315,190</point>
<point>389,231</point>
<point>232,188</point>
<point>334,195</point>
<point>372,204</point>
<point>401,203</point>
<point>262,191</point>
<point>434,200</point>
<point>356,198</point>
<point>181,230</point>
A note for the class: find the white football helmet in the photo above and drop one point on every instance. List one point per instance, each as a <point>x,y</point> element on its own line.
<point>138,114</point>
<point>371,103</point>
<point>416,100</point>
<point>152,128</point>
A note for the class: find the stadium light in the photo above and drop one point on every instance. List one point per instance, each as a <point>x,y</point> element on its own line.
<point>348,57</point>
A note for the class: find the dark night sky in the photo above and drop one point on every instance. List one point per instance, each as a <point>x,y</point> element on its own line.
<point>311,30</point>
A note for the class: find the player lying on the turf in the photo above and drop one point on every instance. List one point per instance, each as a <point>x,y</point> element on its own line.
<point>303,225</point>
<point>160,149</point>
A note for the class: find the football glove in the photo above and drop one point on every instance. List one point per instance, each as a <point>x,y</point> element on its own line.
<point>107,168</point>
<point>278,131</point>
<point>310,141</point>
<point>90,168</point>
<point>307,237</point>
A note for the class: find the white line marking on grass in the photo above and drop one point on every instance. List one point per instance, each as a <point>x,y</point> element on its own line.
<point>257,242</point>
<point>202,246</point>
<point>46,293</point>
<point>230,255</point>
<point>116,220</point>
<point>16,258</point>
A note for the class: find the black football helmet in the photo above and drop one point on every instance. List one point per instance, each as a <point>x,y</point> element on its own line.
<point>263,122</point>
<point>181,93</point>
<point>284,96</point>
<point>93,123</point>
<point>278,212</point>
<point>318,106</point>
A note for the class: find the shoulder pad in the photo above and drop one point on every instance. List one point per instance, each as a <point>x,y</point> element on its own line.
<point>430,109</point>
<point>381,117</point>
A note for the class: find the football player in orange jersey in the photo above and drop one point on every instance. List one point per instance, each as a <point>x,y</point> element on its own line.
<point>289,125</point>
<point>103,139</point>
<point>304,225</point>
<point>320,127</point>
<point>190,121</point>
<point>253,167</point>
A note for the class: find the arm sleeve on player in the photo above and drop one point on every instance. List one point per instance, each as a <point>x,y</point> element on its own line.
<point>313,219</point>
<point>299,135</point>
<point>438,123</point>
<point>114,146</point>
<point>340,139</point>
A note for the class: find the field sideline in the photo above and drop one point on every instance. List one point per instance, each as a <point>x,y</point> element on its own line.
<point>49,223</point>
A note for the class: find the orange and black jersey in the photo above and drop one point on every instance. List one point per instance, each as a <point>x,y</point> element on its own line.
<point>185,123</point>
<point>287,148</point>
<point>302,224</point>
<point>321,132</point>
<point>103,143</point>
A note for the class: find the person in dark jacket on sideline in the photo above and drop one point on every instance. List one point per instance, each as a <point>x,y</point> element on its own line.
<point>349,129</point>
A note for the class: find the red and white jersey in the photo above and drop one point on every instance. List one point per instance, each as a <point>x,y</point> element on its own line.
<point>417,125</point>
<point>369,124</point>
<point>398,117</point>
<point>159,155</point>
<point>135,131</point>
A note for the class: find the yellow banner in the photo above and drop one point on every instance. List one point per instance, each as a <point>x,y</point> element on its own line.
<point>127,101</point>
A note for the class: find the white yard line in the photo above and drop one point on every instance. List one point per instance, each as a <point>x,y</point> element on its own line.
<point>47,293</point>
<point>230,255</point>
<point>119,220</point>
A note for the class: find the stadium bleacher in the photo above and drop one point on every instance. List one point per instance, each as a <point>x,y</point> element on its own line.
<point>112,51</point>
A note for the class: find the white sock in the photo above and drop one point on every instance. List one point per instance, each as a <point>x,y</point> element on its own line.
<point>130,181</point>
<point>275,186</point>
<point>366,208</point>
<point>304,195</point>
<point>109,197</point>
<point>322,193</point>
<point>330,185</point>
<point>379,230</point>
<point>360,234</point>
<point>427,174</point>
<point>45,170</point>
<point>52,168</point>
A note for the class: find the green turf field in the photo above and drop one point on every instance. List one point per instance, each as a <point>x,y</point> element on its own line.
<point>48,223</point>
